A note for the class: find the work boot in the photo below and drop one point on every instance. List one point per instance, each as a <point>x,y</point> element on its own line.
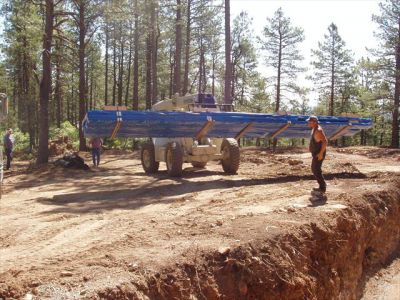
<point>319,190</point>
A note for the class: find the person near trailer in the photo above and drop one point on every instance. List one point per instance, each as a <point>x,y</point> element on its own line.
<point>8,142</point>
<point>96,143</point>
<point>317,147</point>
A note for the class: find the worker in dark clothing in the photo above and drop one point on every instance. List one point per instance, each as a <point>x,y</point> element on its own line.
<point>8,143</point>
<point>318,143</point>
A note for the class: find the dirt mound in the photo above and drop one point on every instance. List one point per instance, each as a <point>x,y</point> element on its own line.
<point>60,146</point>
<point>72,160</point>
<point>372,152</point>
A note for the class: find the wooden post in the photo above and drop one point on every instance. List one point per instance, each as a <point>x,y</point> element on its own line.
<point>280,130</point>
<point>244,130</point>
<point>205,129</point>
<point>340,132</point>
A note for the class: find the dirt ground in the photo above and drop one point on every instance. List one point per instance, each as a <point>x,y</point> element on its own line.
<point>385,285</point>
<point>114,232</point>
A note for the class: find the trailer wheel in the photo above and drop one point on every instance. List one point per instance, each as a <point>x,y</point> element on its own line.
<point>230,156</point>
<point>198,164</point>
<point>174,159</point>
<point>147,155</point>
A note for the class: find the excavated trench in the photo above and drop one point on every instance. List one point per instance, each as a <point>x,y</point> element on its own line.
<point>328,257</point>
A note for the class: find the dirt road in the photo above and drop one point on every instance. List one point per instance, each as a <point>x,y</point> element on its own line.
<point>71,234</point>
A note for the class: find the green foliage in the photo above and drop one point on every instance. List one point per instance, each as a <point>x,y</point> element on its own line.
<point>21,141</point>
<point>244,58</point>
<point>388,55</point>
<point>66,129</point>
<point>123,143</point>
<point>259,99</point>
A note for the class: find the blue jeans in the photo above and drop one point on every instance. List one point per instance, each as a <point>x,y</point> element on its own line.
<point>96,156</point>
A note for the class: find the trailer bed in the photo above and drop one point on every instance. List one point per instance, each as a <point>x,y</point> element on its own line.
<point>137,124</point>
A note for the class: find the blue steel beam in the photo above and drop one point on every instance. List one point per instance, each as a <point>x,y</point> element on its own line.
<point>227,124</point>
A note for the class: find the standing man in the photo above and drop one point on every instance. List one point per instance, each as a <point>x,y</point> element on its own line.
<point>96,144</point>
<point>318,143</point>
<point>8,142</point>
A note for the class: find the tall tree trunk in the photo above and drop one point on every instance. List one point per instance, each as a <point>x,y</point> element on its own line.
<point>106,68</point>
<point>178,49</point>
<point>57,89</point>
<point>82,78</point>
<point>234,82</point>
<point>187,49</point>
<point>213,76</point>
<point>114,66</point>
<point>148,72</point>
<point>69,100</point>
<point>171,73</point>
<point>86,84</point>
<point>278,80</point>
<point>45,84</point>
<point>228,65</point>
<point>201,64</point>
<point>278,88</point>
<point>91,88</point>
<point>31,127</point>
<point>27,92</point>
<point>128,79</point>
<point>154,60</point>
<point>204,69</point>
<point>332,95</point>
<point>395,122</point>
<point>121,66</point>
<point>136,61</point>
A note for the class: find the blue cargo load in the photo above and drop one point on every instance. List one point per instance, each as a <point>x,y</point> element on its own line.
<point>156,124</point>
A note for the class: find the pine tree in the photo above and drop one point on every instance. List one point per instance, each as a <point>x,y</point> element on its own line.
<point>332,63</point>
<point>45,84</point>
<point>389,55</point>
<point>244,58</point>
<point>281,41</point>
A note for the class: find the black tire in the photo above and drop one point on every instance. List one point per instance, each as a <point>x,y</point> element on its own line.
<point>230,156</point>
<point>148,158</point>
<point>174,159</point>
<point>198,164</point>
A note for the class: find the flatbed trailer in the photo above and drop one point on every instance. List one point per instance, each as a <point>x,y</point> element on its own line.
<point>193,137</point>
<point>161,124</point>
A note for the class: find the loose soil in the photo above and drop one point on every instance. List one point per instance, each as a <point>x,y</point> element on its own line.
<point>114,232</point>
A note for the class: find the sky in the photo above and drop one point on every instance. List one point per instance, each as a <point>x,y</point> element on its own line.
<point>352,17</point>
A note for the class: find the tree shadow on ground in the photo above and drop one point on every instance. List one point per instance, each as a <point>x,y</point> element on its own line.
<point>160,192</point>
